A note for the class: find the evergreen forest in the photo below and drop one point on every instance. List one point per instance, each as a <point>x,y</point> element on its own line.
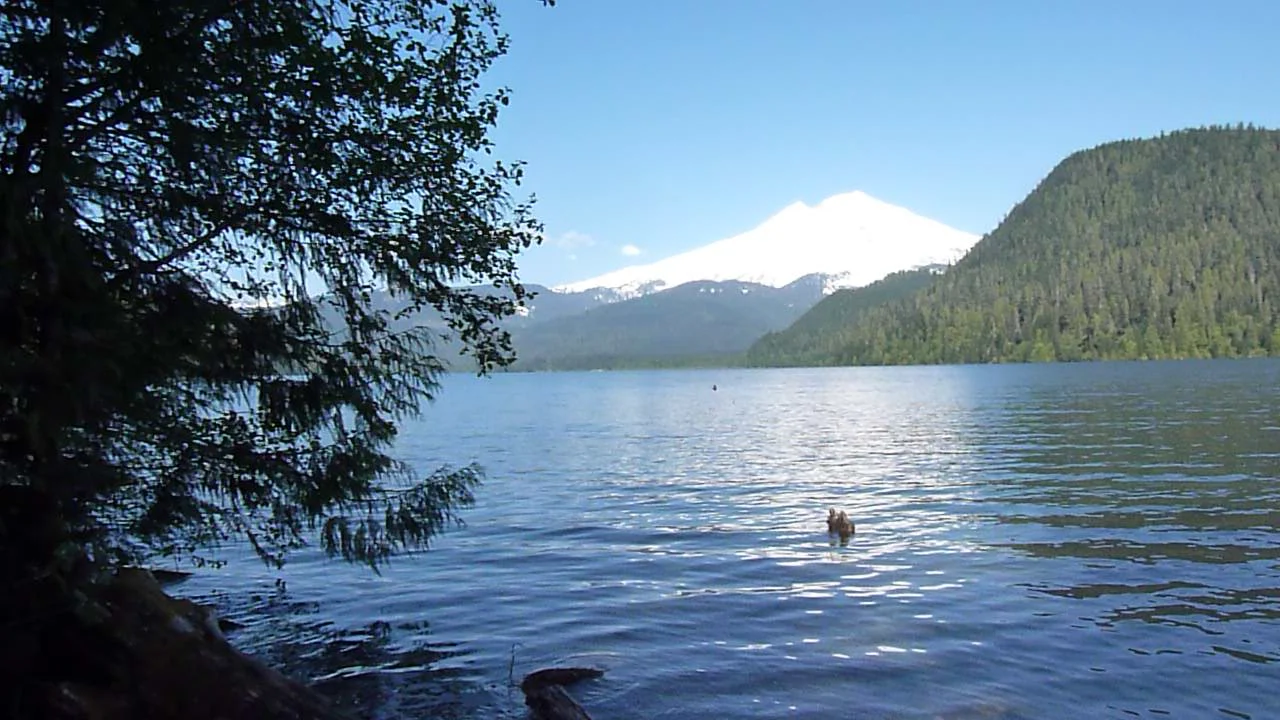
<point>1166,247</point>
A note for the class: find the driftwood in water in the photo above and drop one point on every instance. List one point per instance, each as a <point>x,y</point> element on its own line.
<point>544,692</point>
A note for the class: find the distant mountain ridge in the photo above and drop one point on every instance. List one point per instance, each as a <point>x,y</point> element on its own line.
<point>851,239</point>
<point>712,303</point>
<point>1166,247</point>
<point>705,320</point>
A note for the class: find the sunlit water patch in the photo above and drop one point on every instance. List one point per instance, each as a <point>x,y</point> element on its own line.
<point>1033,541</point>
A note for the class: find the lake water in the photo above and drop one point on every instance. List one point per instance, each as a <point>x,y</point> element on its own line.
<point>1090,540</point>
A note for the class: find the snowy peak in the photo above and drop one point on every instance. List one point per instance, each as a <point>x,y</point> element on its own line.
<point>852,239</point>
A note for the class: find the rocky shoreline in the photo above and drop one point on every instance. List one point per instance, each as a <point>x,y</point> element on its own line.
<point>120,647</point>
<point>86,641</point>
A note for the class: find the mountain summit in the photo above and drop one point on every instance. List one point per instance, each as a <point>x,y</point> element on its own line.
<point>852,239</point>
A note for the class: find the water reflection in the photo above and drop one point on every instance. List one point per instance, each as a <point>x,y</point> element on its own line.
<point>1178,477</point>
<point>1148,553</point>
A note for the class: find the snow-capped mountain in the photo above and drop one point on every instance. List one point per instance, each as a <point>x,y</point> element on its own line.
<point>852,239</point>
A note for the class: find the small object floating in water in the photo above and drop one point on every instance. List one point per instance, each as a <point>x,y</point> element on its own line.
<point>545,695</point>
<point>713,388</point>
<point>838,523</point>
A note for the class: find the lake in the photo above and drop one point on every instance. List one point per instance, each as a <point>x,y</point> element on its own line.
<point>1070,540</point>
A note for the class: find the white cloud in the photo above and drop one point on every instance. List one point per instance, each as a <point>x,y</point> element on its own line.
<point>630,250</point>
<point>573,239</point>
<point>572,256</point>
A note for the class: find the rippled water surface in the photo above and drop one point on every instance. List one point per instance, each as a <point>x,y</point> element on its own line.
<point>1091,540</point>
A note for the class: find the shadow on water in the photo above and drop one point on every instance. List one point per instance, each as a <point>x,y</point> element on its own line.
<point>378,671</point>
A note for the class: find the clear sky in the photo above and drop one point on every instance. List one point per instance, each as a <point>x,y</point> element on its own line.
<point>654,126</point>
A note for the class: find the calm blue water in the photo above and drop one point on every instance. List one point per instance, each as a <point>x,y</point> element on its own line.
<point>1090,540</point>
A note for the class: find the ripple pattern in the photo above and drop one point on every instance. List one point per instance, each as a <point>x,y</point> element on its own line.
<point>1093,540</point>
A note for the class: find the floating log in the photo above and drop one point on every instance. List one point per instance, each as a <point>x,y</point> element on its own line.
<point>544,692</point>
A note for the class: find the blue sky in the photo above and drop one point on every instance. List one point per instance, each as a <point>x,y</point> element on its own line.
<point>662,125</point>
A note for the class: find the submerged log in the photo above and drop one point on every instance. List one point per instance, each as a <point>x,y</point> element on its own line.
<point>168,577</point>
<point>544,692</point>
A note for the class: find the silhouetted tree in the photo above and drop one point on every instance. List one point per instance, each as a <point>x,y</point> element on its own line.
<point>185,186</point>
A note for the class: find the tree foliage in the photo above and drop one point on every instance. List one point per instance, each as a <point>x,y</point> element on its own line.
<point>179,180</point>
<point>1160,248</point>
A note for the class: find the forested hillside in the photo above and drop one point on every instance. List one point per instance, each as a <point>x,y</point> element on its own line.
<point>819,334</point>
<point>1158,248</point>
<point>698,323</point>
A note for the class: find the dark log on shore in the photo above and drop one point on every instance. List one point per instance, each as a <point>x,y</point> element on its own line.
<point>168,577</point>
<point>79,642</point>
<point>155,656</point>
<point>544,692</point>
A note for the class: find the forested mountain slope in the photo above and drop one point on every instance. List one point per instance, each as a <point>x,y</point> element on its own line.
<point>696,323</point>
<point>819,334</point>
<point>1156,248</point>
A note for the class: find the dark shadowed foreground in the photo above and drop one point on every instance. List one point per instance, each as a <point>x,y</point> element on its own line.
<point>91,642</point>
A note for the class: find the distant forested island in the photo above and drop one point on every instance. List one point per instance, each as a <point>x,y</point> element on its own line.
<point>1166,247</point>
